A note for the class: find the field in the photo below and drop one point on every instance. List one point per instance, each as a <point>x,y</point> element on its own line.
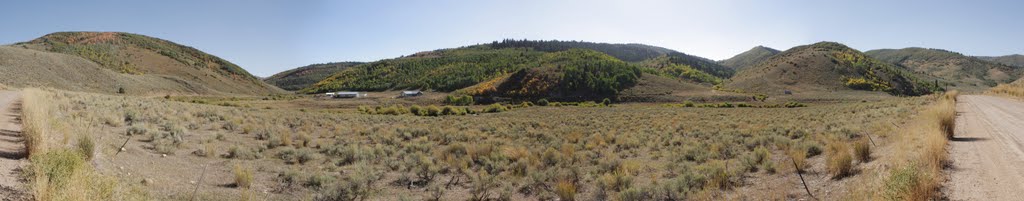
<point>177,150</point>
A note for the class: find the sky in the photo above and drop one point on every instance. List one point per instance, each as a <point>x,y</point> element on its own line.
<point>266,37</point>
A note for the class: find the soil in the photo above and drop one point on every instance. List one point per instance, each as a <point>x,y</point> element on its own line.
<point>987,150</point>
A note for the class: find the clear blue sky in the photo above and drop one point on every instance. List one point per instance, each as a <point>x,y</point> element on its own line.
<point>266,37</point>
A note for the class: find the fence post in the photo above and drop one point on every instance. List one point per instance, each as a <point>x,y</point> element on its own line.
<point>802,178</point>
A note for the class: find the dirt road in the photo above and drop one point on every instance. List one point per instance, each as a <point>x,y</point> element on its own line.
<point>12,147</point>
<point>988,150</point>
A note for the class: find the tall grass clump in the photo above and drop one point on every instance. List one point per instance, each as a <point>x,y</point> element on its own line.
<point>63,174</point>
<point>840,162</point>
<point>35,120</point>
<point>862,150</point>
<point>243,176</point>
<point>946,113</point>
<point>921,178</point>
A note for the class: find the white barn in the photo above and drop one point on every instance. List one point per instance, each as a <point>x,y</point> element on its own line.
<point>411,93</point>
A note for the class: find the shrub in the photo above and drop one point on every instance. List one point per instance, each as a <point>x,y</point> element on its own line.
<point>433,110</point>
<point>688,104</point>
<point>288,154</point>
<point>799,160</point>
<point>417,110</point>
<point>566,190</point>
<point>458,100</point>
<point>862,150</point>
<point>57,166</point>
<point>356,186</point>
<point>634,194</point>
<point>606,102</point>
<point>242,153</point>
<point>543,102</point>
<point>449,110</point>
<point>318,180</point>
<point>839,161</point>
<point>908,183</point>
<point>86,147</point>
<point>306,155</point>
<point>243,176</point>
<point>794,105</point>
<point>493,108</point>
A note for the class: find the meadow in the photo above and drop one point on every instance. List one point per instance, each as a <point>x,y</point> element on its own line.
<point>180,150</point>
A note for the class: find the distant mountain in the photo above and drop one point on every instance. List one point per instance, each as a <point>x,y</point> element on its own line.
<point>1011,60</point>
<point>559,64</point>
<point>950,67</point>
<point>302,77</point>
<point>827,67</point>
<point>193,71</point>
<point>749,58</point>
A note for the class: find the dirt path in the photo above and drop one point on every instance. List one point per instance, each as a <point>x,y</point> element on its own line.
<point>987,150</point>
<point>12,147</point>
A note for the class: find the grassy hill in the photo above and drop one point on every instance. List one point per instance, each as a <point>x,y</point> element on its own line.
<point>1011,60</point>
<point>950,67</point>
<point>827,67</point>
<point>508,62</point>
<point>302,77</point>
<point>749,58</point>
<point>575,74</point>
<point>626,52</point>
<point>20,67</point>
<point>135,54</point>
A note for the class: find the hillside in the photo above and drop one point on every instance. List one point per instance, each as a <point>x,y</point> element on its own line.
<point>950,67</point>
<point>133,54</point>
<point>20,67</point>
<point>626,52</point>
<point>827,67</point>
<point>302,77</point>
<point>1011,60</point>
<point>575,74</point>
<point>457,68</point>
<point>749,58</point>
<point>661,61</point>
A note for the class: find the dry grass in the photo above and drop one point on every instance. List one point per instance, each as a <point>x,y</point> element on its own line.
<point>604,152</point>
<point>839,161</point>
<point>243,176</point>
<point>60,168</point>
<point>1015,89</point>
<point>35,120</point>
<point>920,176</point>
<point>862,150</point>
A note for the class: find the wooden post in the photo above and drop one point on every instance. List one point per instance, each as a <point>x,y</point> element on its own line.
<point>201,175</point>
<point>802,178</point>
<point>122,145</point>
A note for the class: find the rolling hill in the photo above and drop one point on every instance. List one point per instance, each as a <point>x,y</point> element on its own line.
<point>574,74</point>
<point>964,72</point>
<point>827,67</point>
<point>1011,60</point>
<point>302,77</point>
<point>131,54</point>
<point>749,58</point>
<point>631,52</point>
<point>20,67</point>
<point>509,62</point>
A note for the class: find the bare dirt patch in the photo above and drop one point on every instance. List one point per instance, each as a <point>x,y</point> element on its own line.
<point>987,150</point>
